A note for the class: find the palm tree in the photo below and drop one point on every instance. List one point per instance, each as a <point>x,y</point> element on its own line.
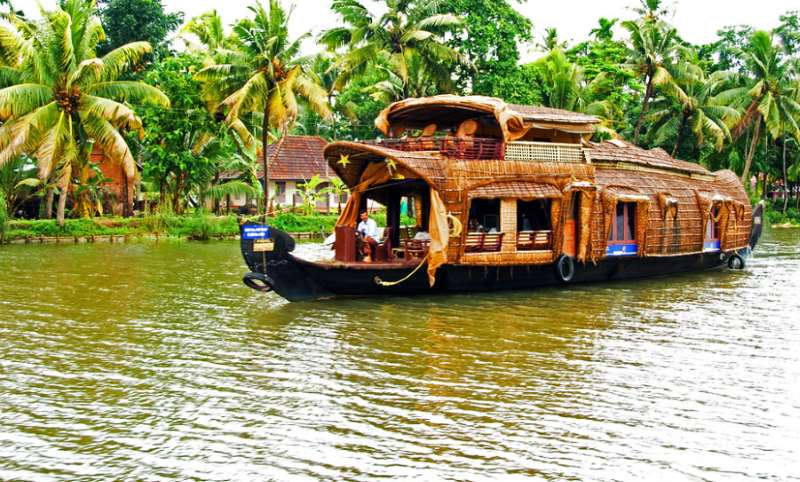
<point>264,75</point>
<point>769,101</point>
<point>653,46</point>
<point>604,31</point>
<point>410,31</point>
<point>564,86</point>
<point>551,41</point>
<point>325,72</point>
<point>698,110</point>
<point>61,99</point>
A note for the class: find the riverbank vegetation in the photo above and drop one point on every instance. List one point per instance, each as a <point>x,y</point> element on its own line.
<point>177,102</point>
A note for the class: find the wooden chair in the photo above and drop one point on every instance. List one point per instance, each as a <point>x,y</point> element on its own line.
<point>534,240</point>
<point>492,242</point>
<point>416,248</point>
<point>474,242</point>
<point>383,252</point>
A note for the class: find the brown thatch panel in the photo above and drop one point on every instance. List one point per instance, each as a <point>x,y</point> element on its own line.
<point>349,160</point>
<point>682,230</point>
<point>515,189</point>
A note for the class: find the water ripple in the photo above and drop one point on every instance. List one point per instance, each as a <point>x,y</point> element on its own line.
<point>152,362</point>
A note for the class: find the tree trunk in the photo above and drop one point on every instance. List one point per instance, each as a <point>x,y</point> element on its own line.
<point>264,138</point>
<point>216,199</point>
<point>785,179</point>
<point>750,153</point>
<point>678,138</point>
<point>62,205</point>
<point>645,107</point>
<point>126,200</point>
<point>48,204</point>
<point>176,197</point>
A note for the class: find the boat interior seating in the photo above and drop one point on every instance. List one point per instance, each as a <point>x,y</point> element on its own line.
<point>383,252</point>
<point>415,248</point>
<point>483,242</point>
<point>534,240</point>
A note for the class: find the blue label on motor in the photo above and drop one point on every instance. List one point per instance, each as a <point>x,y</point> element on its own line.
<point>255,231</point>
<point>711,245</point>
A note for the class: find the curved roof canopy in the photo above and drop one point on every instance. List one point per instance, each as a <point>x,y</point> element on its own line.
<point>449,111</point>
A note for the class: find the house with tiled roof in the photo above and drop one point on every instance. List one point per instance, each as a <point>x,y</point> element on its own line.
<point>291,163</point>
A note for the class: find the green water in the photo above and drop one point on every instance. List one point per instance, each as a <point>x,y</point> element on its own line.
<point>152,362</point>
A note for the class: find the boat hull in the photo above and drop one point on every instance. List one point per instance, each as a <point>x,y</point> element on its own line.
<point>297,280</point>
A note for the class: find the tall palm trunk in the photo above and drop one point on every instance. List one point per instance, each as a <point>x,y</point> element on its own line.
<point>786,191</point>
<point>751,152</point>
<point>48,203</point>
<point>264,138</point>
<point>648,92</point>
<point>216,199</point>
<point>679,137</point>
<point>62,205</point>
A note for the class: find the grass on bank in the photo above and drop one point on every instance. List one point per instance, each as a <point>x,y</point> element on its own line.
<point>196,226</point>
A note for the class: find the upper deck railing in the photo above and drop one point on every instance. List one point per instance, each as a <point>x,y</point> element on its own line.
<point>488,148</point>
<point>544,152</point>
<point>453,147</point>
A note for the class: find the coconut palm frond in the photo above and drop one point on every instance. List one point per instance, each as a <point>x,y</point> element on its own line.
<point>18,100</point>
<point>111,142</point>
<point>121,59</point>
<point>232,188</point>
<point>129,91</point>
<point>119,115</point>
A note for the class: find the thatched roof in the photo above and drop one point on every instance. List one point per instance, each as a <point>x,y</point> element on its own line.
<point>450,110</point>
<point>619,151</point>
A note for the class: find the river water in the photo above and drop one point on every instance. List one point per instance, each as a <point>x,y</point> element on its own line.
<point>151,362</point>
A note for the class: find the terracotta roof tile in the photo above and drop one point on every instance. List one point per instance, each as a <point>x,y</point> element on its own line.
<point>300,157</point>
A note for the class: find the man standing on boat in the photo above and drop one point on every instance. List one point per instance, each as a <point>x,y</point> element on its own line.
<point>368,230</point>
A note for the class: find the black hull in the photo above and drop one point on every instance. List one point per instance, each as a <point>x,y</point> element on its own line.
<point>297,280</point>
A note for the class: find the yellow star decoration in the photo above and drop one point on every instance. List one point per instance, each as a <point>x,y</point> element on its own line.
<point>391,164</point>
<point>344,160</point>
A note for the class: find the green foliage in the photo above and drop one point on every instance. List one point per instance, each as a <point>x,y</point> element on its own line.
<point>126,21</point>
<point>183,147</point>
<point>408,38</point>
<point>492,32</point>
<point>294,223</point>
<point>775,215</point>
<point>60,100</point>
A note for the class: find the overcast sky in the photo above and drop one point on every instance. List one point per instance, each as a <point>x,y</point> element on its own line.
<point>697,20</point>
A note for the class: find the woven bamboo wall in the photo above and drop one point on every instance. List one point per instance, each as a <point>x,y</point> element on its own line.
<point>665,234</point>
<point>685,233</point>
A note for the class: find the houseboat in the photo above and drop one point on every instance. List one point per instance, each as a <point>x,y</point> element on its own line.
<point>483,195</point>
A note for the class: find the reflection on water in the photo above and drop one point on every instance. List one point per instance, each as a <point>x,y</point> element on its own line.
<point>153,362</point>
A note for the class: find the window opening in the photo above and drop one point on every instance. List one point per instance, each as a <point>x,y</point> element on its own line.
<point>622,238</point>
<point>711,241</point>
<point>534,226</point>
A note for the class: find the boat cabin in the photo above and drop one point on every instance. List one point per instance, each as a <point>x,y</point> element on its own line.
<point>496,163</point>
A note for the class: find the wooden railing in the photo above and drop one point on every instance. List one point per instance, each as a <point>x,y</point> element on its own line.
<point>454,147</point>
<point>544,152</point>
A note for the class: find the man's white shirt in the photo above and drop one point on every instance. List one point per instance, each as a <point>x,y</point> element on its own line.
<point>368,228</point>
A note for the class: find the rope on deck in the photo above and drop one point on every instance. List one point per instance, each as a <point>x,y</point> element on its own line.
<point>380,282</point>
